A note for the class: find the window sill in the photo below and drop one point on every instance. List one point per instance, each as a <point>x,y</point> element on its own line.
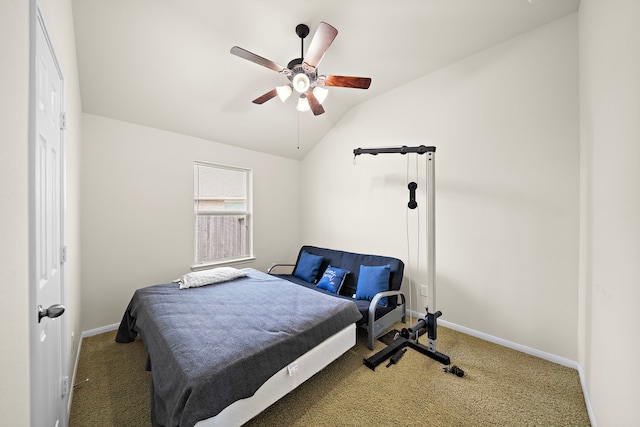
<point>213,264</point>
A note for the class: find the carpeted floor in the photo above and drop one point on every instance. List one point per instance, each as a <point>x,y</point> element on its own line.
<point>501,387</point>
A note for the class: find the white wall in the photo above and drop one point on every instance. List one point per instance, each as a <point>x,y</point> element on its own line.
<point>14,213</point>
<point>610,189</point>
<point>137,210</point>
<point>505,124</point>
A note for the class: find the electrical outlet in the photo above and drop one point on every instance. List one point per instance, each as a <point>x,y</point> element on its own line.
<point>424,291</point>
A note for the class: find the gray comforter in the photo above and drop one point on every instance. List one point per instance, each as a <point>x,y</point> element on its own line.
<point>211,346</point>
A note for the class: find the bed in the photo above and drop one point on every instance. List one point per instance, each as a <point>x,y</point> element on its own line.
<point>222,353</point>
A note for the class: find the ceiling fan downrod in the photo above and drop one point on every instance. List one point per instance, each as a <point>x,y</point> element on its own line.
<point>302,31</point>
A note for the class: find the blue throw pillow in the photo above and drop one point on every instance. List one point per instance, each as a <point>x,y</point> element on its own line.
<point>308,266</point>
<point>373,279</point>
<point>332,279</point>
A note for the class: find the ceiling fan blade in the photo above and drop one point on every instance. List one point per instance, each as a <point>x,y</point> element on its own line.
<point>321,41</point>
<point>245,54</point>
<point>345,81</point>
<point>314,104</point>
<point>267,96</point>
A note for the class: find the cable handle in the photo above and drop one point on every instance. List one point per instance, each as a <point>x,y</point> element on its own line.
<point>412,195</point>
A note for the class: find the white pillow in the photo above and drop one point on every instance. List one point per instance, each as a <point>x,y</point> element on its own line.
<point>209,277</point>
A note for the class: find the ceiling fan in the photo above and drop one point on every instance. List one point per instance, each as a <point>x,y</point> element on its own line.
<point>303,72</point>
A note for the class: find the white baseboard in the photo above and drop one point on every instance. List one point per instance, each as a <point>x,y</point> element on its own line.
<point>585,392</point>
<point>512,345</point>
<point>527,350</point>
<point>505,343</point>
<point>73,377</point>
<point>100,330</point>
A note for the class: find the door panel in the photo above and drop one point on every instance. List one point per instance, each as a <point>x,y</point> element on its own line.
<point>48,408</point>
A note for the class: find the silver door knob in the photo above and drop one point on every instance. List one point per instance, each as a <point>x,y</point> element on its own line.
<point>53,311</point>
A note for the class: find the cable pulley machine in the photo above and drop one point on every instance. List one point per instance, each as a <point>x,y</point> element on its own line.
<point>409,337</point>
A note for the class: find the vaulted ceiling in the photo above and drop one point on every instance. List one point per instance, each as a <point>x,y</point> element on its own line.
<point>166,63</point>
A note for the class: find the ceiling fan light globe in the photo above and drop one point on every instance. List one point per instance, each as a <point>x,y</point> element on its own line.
<point>320,93</point>
<point>301,82</point>
<point>303,103</point>
<point>284,92</point>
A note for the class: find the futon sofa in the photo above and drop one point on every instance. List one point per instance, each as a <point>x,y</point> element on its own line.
<point>371,281</point>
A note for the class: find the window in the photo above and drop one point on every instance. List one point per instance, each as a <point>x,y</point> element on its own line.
<point>222,208</point>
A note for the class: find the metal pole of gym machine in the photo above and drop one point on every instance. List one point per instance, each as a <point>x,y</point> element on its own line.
<point>431,237</point>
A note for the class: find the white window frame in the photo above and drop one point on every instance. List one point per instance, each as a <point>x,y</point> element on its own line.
<point>248,213</point>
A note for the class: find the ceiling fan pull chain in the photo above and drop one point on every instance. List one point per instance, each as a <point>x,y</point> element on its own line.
<point>298,115</point>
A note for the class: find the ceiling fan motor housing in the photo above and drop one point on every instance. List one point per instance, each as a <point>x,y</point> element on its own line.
<point>300,83</point>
